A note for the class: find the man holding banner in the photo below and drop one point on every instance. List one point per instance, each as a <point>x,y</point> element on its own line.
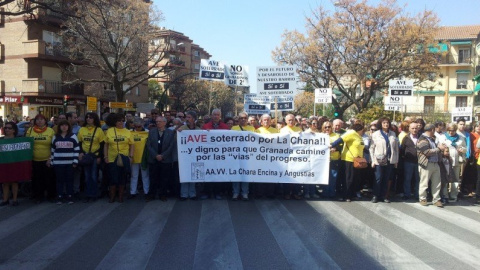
<point>290,189</point>
<point>267,189</point>
<point>242,126</point>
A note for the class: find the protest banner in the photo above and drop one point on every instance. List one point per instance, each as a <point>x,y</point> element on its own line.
<point>16,157</point>
<point>235,156</point>
<point>277,81</point>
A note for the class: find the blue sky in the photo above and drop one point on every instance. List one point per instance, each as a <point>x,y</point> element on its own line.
<point>246,32</point>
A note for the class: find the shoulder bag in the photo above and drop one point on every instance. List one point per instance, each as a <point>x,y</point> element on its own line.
<point>89,157</point>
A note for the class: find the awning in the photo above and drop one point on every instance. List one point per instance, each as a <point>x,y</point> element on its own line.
<point>477,88</point>
<point>441,47</point>
<point>476,78</point>
<point>463,71</point>
<point>460,92</point>
<point>430,92</point>
<point>464,42</point>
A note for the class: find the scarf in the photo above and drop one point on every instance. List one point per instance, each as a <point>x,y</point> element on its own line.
<point>37,129</point>
<point>452,139</point>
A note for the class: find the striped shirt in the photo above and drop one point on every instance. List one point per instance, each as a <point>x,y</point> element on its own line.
<point>65,150</point>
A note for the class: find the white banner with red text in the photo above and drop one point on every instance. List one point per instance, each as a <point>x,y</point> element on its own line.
<point>236,156</point>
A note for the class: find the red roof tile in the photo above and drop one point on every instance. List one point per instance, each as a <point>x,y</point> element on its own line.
<point>458,32</point>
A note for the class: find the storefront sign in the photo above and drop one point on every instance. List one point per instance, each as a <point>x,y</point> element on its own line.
<point>13,99</point>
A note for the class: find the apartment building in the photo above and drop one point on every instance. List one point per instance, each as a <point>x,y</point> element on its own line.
<point>455,83</point>
<point>181,58</point>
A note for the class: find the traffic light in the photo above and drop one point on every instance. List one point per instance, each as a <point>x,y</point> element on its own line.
<point>336,114</point>
<point>65,100</point>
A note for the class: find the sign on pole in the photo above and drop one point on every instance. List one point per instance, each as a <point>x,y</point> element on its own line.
<point>393,103</point>
<point>462,112</point>
<point>276,81</point>
<point>91,104</point>
<point>323,95</point>
<point>400,88</point>
<point>121,105</point>
<point>212,70</point>
<point>236,75</point>
<point>255,104</point>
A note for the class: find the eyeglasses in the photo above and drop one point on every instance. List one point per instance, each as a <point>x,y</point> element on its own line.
<point>244,118</point>
<point>327,127</point>
<point>88,117</point>
<point>8,128</point>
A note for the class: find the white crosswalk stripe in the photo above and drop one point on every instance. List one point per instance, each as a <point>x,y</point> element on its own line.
<point>216,242</point>
<point>386,252</point>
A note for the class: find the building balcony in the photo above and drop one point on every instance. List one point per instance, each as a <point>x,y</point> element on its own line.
<point>450,60</point>
<point>47,51</point>
<point>51,87</point>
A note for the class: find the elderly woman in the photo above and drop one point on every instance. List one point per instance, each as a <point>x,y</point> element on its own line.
<point>140,135</point>
<point>353,147</point>
<point>10,132</point>
<point>384,152</point>
<point>42,176</point>
<point>118,141</point>
<point>457,149</point>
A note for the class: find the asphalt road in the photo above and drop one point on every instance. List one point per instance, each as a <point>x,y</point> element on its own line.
<point>224,234</point>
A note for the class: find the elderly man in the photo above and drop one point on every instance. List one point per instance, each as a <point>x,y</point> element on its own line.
<point>267,189</point>
<point>242,126</point>
<point>408,153</point>
<point>252,121</point>
<point>160,147</point>
<point>150,123</point>
<point>429,156</point>
<point>215,123</point>
<point>290,189</point>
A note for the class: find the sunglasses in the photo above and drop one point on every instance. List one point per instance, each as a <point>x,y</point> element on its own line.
<point>327,127</point>
<point>88,117</point>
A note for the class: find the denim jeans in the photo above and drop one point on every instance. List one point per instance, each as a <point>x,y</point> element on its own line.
<point>410,171</point>
<point>91,186</point>
<point>187,190</point>
<point>136,167</point>
<point>382,175</point>
<point>64,175</point>
<point>236,188</point>
<point>332,179</point>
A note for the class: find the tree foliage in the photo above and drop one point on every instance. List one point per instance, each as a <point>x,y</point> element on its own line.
<point>202,96</point>
<point>359,48</point>
<point>113,39</point>
<point>21,7</point>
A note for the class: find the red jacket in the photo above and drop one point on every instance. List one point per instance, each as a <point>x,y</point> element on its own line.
<point>221,125</point>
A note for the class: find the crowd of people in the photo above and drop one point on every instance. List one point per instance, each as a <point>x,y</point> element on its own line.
<point>419,161</point>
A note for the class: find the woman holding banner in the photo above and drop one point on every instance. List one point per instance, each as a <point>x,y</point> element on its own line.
<point>10,131</point>
<point>42,176</point>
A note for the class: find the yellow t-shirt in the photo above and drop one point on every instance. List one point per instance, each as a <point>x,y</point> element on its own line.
<point>85,137</point>
<point>263,130</point>
<point>139,141</point>
<point>353,145</point>
<point>42,143</point>
<point>287,129</point>
<point>124,139</point>
<point>334,155</point>
<point>245,128</point>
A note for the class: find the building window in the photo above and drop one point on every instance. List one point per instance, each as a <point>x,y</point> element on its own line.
<point>197,66</point>
<point>461,102</point>
<point>429,105</point>
<point>137,91</point>
<point>196,53</point>
<point>462,79</point>
<point>464,56</point>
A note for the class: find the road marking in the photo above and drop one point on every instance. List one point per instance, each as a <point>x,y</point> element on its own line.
<point>140,238</point>
<point>450,217</point>
<point>47,249</point>
<point>286,231</point>
<point>444,241</point>
<point>217,246</point>
<point>25,218</point>
<point>379,247</point>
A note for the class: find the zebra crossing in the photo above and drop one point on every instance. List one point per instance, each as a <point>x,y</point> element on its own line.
<point>258,234</point>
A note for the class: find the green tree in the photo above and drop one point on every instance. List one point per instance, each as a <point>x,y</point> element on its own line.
<point>360,45</point>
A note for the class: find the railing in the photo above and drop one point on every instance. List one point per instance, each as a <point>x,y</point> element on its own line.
<point>452,60</point>
<point>51,87</point>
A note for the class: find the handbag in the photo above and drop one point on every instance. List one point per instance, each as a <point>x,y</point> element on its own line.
<point>119,158</point>
<point>358,162</point>
<point>89,157</point>
<point>382,160</point>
